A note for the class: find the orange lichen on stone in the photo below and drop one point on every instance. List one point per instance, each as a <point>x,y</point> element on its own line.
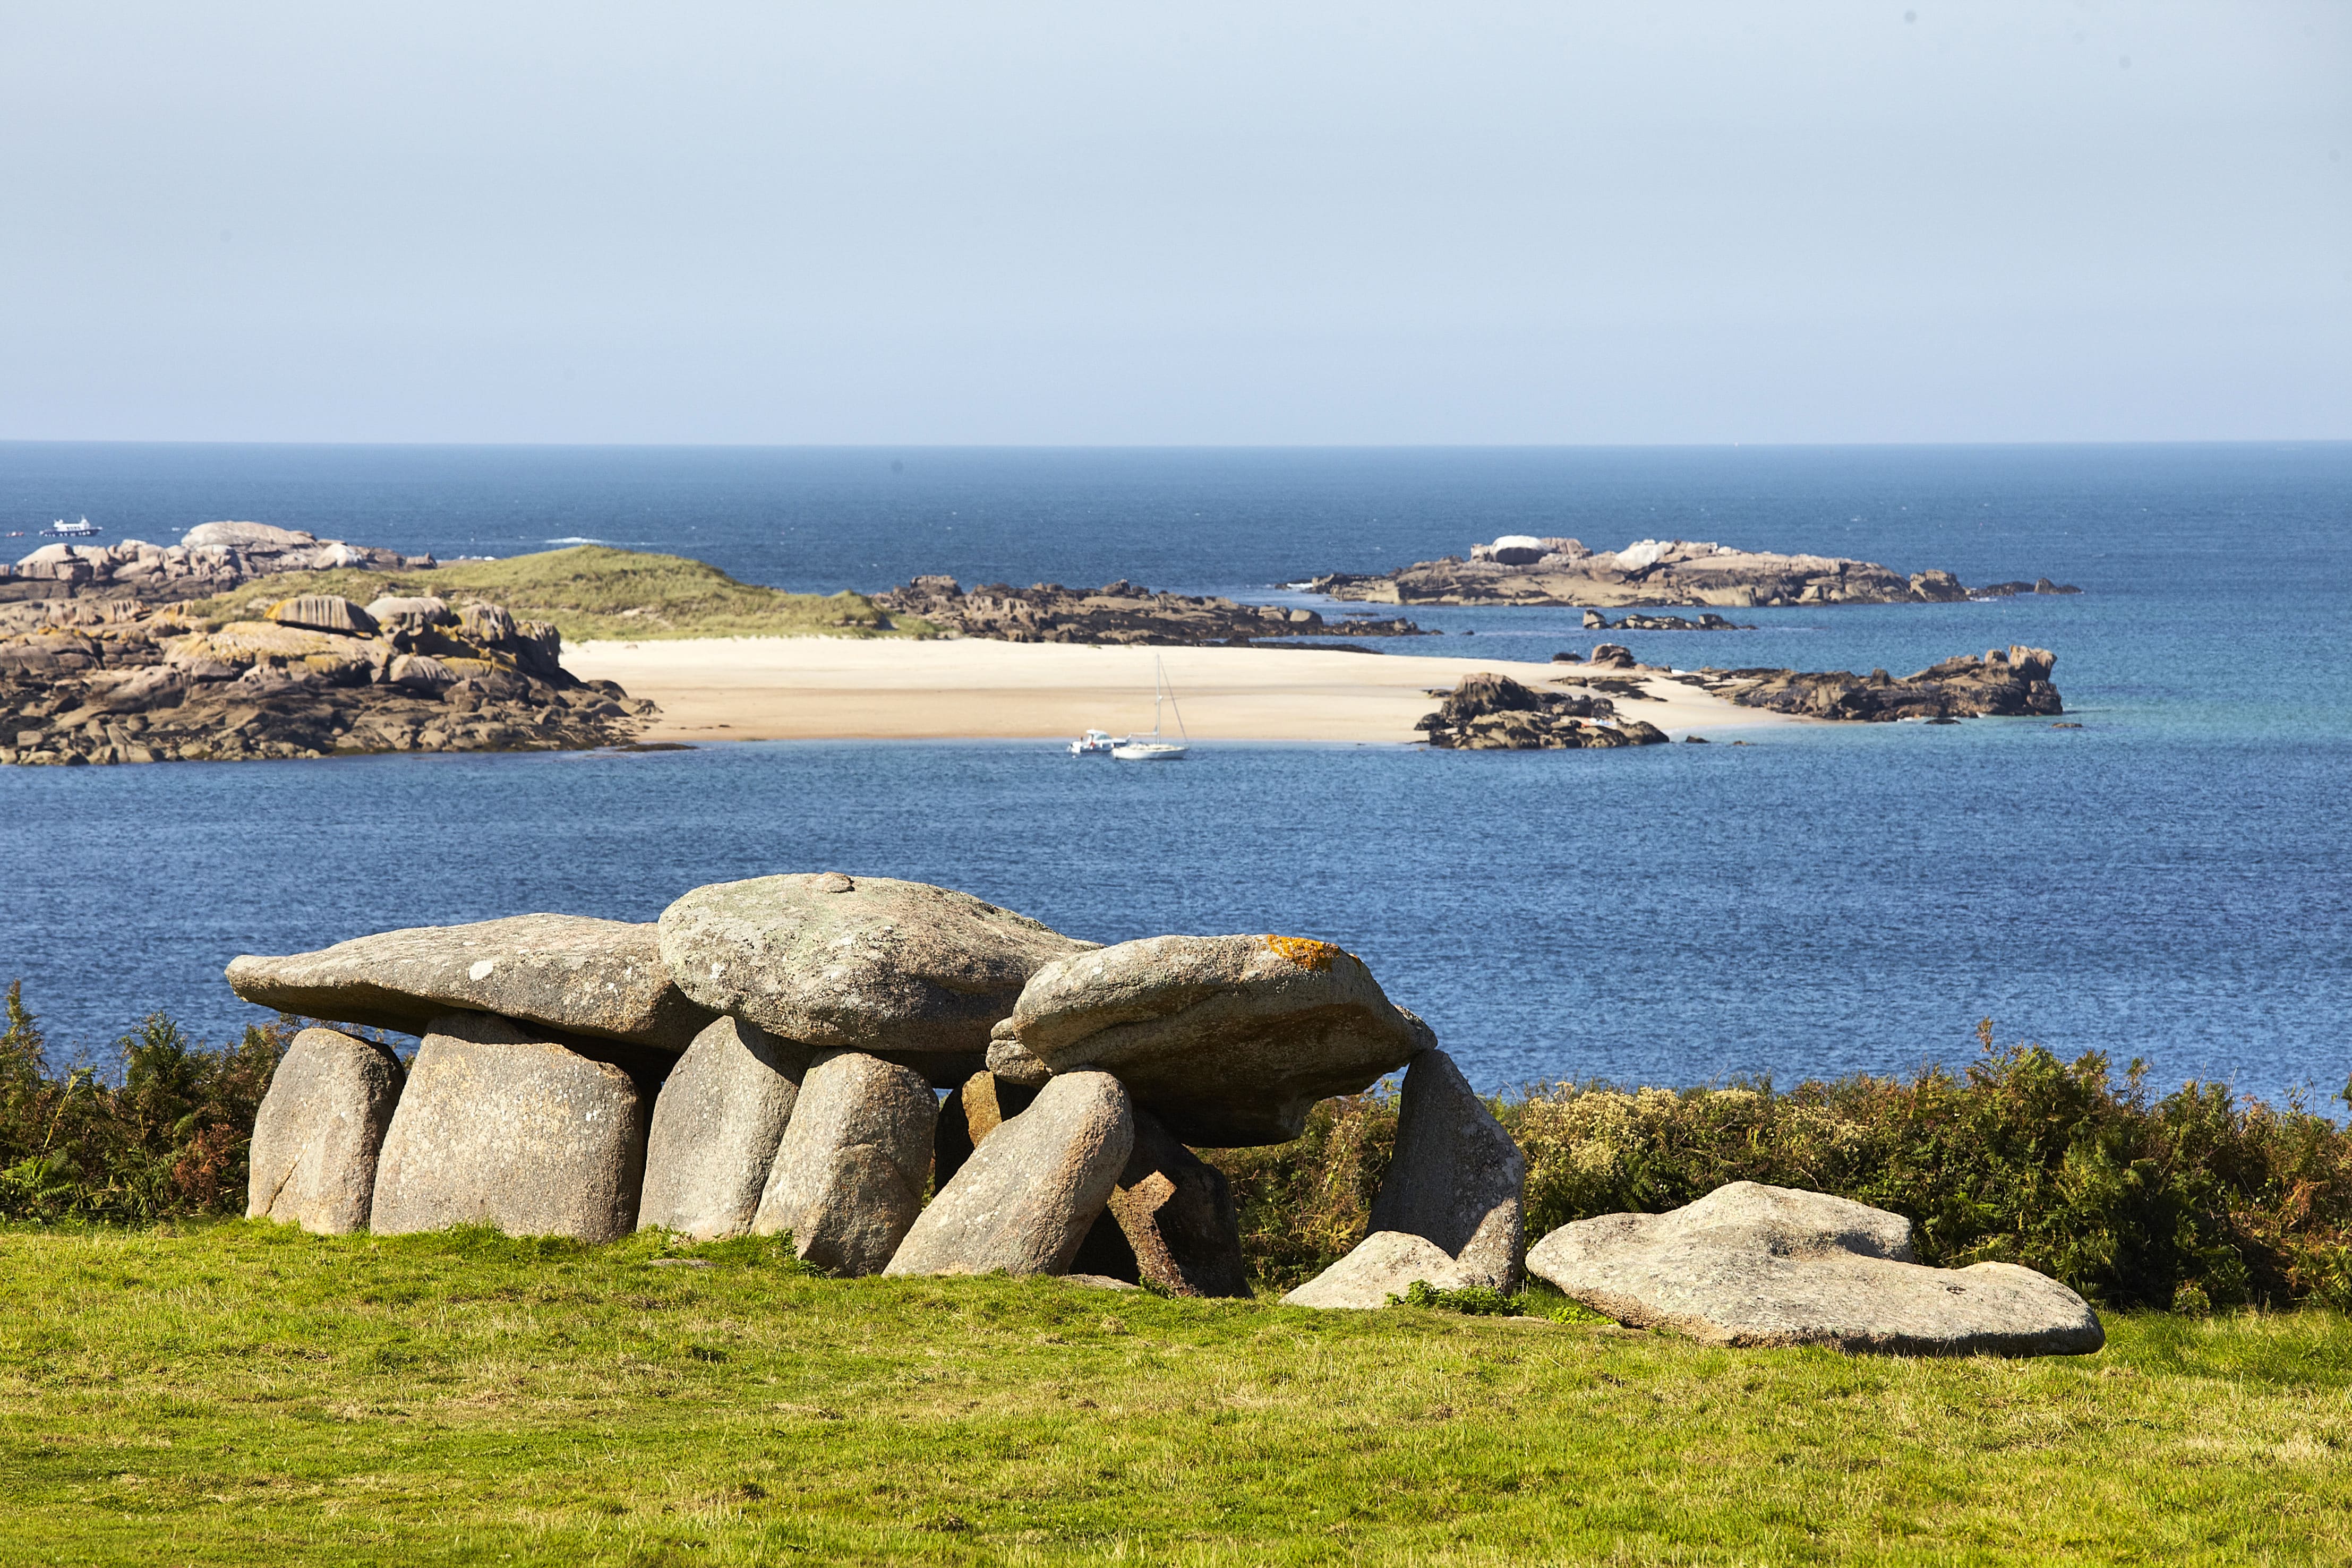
<point>1304,951</point>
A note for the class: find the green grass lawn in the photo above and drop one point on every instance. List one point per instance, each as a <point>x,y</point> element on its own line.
<point>592,591</point>
<point>245,1392</point>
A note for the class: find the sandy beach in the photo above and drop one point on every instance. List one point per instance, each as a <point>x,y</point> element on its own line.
<point>818,688</point>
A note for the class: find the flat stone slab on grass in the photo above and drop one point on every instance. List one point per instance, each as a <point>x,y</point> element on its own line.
<point>1385,1263</point>
<point>1229,1040</point>
<point>1752,1265</point>
<point>498,1127</point>
<point>574,973</point>
<point>1024,1199</point>
<point>1456,1178</point>
<point>867,964</point>
<point>315,1141</point>
<point>715,1125</point>
<point>849,1175</point>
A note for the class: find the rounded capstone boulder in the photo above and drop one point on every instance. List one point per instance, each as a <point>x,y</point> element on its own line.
<point>313,1156</point>
<point>1230,1041</point>
<point>1026,1199</point>
<point>866,964</point>
<point>722,1112</point>
<point>499,1125</point>
<point>1753,1265</point>
<point>849,1175</point>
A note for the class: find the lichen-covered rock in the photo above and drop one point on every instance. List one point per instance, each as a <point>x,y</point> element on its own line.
<point>867,964</point>
<point>849,1174</point>
<point>1024,1202</point>
<point>1229,1040</point>
<point>717,1124</point>
<point>1170,1222</point>
<point>312,1159</point>
<point>574,973</point>
<point>498,1127</point>
<point>1756,1265</point>
<point>1456,1178</point>
<point>1385,1263</point>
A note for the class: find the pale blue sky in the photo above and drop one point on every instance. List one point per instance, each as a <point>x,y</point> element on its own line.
<point>1205,222</point>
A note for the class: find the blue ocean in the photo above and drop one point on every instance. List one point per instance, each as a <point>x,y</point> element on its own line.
<point>2170,882</point>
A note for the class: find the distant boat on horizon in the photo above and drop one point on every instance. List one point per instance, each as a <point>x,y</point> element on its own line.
<point>62,530</point>
<point>1152,749</point>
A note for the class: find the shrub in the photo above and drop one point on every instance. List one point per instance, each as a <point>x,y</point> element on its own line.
<point>168,1140</point>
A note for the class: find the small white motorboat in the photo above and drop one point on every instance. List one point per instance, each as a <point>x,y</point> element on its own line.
<point>1093,743</point>
<point>62,530</point>
<point>1150,747</point>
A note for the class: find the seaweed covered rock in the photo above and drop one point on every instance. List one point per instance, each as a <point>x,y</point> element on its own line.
<point>2012,682</point>
<point>1227,1040</point>
<point>1494,713</point>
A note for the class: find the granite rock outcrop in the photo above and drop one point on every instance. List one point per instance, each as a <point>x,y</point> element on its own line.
<point>1494,713</point>
<point>1526,569</point>
<point>2012,682</point>
<point>1117,613</point>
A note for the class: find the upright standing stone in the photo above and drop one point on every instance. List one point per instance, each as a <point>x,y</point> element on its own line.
<point>500,1125</point>
<point>849,1175</point>
<point>980,1105</point>
<point>1170,1222</point>
<point>1024,1199</point>
<point>721,1115</point>
<point>321,1127</point>
<point>1456,1178</point>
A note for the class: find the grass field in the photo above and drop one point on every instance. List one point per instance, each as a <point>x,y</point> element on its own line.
<point>591,591</point>
<point>244,1393</point>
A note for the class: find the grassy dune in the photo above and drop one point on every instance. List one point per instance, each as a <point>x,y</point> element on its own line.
<point>591,591</point>
<point>243,1393</point>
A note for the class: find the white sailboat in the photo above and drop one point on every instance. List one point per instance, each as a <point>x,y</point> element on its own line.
<point>1150,747</point>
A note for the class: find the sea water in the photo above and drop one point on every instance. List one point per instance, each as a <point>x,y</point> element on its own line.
<point>2168,881</point>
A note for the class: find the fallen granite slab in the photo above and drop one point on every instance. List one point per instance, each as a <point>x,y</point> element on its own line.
<point>1170,1222</point>
<point>1023,1201</point>
<point>500,1126</point>
<point>1229,1040</point>
<point>869,964</point>
<point>1385,1263</point>
<point>313,1159</point>
<point>849,1172</point>
<point>571,973</point>
<point>1456,1178</point>
<point>1751,1265</point>
<point>722,1112</point>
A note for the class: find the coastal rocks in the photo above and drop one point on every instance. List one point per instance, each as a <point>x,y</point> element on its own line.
<point>1456,1180</point>
<point>1170,1222</point>
<point>722,1112</point>
<point>1523,569</point>
<point>210,558</point>
<point>867,963</point>
<point>1119,613</point>
<point>1385,1263</point>
<point>313,1159</point>
<point>1024,1202</point>
<point>1496,713</point>
<point>849,1173</point>
<point>1227,1040</point>
<point>88,679</point>
<point>571,973</point>
<point>498,1127</point>
<point>2010,682</point>
<point>1596,622</point>
<point>1755,1265</point>
<point>2011,590</point>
